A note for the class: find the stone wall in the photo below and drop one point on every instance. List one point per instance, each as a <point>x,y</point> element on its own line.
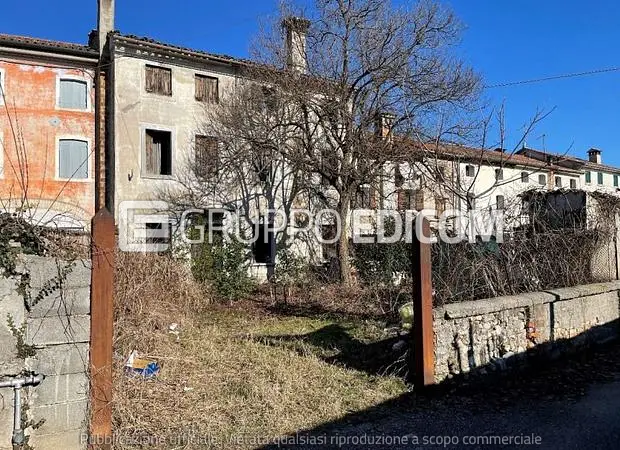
<point>500,333</point>
<point>58,328</point>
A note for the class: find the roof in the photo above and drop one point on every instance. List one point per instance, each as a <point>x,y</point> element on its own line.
<point>492,157</point>
<point>59,47</point>
<point>181,51</point>
<point>560,159</point>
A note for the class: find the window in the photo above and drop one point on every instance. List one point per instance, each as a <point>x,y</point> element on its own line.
<point>157,152</point>
<point>158,80</point>
<point>599,178</point>
<point>542,179</point>
<point>207,156</point>
<point>72,159</point>
<point>525,177</point>
<point>558,182</point>
<point>364,198</point>
<point>1,154</point>
<point>440,205</point>
<point>158,232</point>
<point>588,177</point>
<point>616,180</point>
<point>470,171</point>
<point>207,89</point>
<point>264,245</point>
<point>72,94</point>
<point>405,199</point>
<point>573,183</point>
<point>499,174</point>
<point>418,196</point>
<point>2,87</point>
<point>500,202</point>
<point>399,179</point>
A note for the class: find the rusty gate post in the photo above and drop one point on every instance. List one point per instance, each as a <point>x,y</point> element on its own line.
<point>422,354</point>
<point>101,329</point>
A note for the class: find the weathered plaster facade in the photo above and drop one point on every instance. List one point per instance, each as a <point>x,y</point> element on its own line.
<point>32,123</point>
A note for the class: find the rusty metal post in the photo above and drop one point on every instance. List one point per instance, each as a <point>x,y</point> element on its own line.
<point>101,329</point>
<point>422,354</point>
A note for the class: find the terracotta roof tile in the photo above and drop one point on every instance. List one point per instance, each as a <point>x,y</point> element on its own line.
<point>31,43</point>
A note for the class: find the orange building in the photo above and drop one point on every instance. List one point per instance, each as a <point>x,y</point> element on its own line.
<point>47,130</point>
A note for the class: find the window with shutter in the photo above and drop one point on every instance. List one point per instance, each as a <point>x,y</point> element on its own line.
<point>158,80</point>
<point>207,89</point>
<point>419,199</point>
<point>440,206</point>
<point>599,178</point>
<point>470,171</point>
<point>364,198</point>
<point>2,87</point>
<point>157,152</point>
<point>207,156</point>
<point>542,179</point>
<point>72,159</point>
<point>558,182</point>
<point>588,177</point>
<point>500,202</point>
<point>499,174</point>
<point>73,94</point>
<point>404,199</point>
<point>615,180</point>
<point>399,179</point>
<point>525,177</point>
<point>573,183</point>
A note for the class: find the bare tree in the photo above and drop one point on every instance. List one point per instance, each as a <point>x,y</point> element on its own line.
<point>238,164</point>
<point>365,58</point>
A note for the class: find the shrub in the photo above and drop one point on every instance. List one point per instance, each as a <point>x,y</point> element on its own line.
<point>223,264</point>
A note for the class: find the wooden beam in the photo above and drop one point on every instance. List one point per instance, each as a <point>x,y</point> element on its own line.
<point>422,355</point>
<point>101,329</point>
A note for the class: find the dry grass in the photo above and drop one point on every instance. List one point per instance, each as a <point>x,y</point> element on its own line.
<point>219,379</point>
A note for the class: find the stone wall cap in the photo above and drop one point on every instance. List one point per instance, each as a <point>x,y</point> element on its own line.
<point>491,305</point>
<point>585,290</point>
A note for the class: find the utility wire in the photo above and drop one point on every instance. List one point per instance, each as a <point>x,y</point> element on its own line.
<point>555,77</point>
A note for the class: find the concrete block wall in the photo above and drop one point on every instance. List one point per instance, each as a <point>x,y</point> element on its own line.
<point>501,333</point>
<point>58,327</point>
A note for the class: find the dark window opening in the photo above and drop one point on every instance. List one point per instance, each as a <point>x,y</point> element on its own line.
<point>558,182</point>
<point>158,152</point>
<point>470,171</point>
<point>499,174</point>
<point>264,245</point>
<point>573,184</point>
<point>525,177</point>
<point>158,233</point>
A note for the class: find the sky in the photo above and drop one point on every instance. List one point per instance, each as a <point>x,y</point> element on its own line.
<point>503,41</point>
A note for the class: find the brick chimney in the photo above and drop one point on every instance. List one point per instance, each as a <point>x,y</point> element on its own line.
<point>594,155</point>
<point>296,31</point>
<point>105,22</point>
<point>384,124</point>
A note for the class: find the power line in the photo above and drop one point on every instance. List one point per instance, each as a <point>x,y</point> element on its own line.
<point>555,77</point>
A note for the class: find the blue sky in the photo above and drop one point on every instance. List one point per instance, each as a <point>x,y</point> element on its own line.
<point>504,41</point>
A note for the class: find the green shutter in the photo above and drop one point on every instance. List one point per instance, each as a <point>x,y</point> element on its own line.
<point>588,177</point>
<point>600,178</point>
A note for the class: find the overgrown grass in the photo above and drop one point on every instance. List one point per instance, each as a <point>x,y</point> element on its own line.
<point>232,373</point>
